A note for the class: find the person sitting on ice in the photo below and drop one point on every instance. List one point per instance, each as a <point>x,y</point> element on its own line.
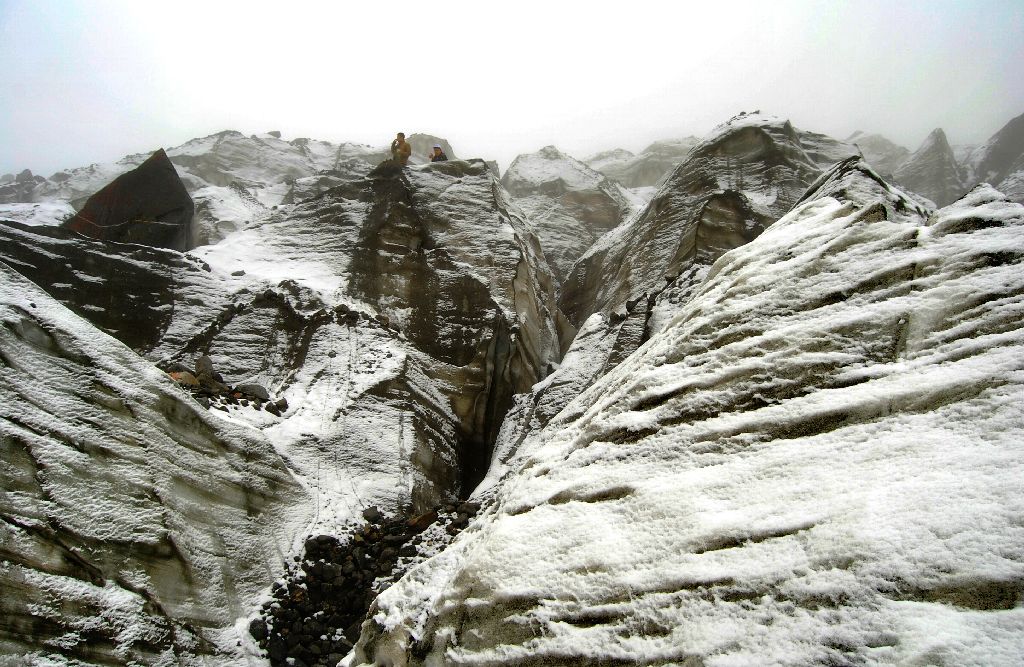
<point>438,154</point>
<point>400,150</point>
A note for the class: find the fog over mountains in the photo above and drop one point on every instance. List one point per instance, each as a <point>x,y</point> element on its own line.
<point>747,398</point>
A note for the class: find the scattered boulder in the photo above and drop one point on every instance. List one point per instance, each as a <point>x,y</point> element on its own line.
<point>204,366</point>
<point>148,205</point>
<point>253,389</point>
<point>208,388</point>
<point>316,613</point>
<point>185,378</point>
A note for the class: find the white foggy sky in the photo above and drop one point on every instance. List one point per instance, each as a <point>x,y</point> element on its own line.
<point>84,82</point>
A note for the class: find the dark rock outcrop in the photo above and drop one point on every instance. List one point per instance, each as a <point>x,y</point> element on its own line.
<point>148,205</point>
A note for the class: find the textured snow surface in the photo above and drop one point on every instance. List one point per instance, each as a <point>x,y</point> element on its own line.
<point>38,214</point>
<point>817,461</point>
<point>134,527</point>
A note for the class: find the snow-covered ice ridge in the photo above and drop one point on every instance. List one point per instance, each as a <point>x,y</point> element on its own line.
<point>135,527</point>
<point>568,204</point>
<point>396,315</point>
<point>817,461</point>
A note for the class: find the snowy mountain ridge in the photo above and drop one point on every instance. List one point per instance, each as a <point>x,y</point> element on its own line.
<point>233,178</point>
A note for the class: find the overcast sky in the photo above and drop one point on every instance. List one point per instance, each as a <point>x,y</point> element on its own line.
<point>84,82</point>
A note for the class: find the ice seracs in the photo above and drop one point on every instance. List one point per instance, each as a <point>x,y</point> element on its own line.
<point>777,423</point>
<point>569,204</point>
<point>645,169</point>
<point>815,460</point>
<point>1000,160</point>
<point>135,525</point>
<point>883,155</point>
<point>734,183</point>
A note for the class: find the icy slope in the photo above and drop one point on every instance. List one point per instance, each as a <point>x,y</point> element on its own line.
<point>135,527</point>
<point>816,462</point>
<point>50,214</point>
<point>932,171</point>
<point>736,181</point>
<point>1013,185</point>
<point>568,204</point>
<point>634,279</point>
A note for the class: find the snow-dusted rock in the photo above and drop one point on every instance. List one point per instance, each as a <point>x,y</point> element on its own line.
<point>569,204</point>
<point>646,169</point>
<point>932,170</point>
<point>135,526</point>
<point>48,214</point>
<point>738,180</point>
<point>884,156</point>
<point>147,205</point>
<point>816,461</point>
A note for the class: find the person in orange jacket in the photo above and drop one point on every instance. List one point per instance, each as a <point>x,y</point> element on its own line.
<point>401,149</point>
